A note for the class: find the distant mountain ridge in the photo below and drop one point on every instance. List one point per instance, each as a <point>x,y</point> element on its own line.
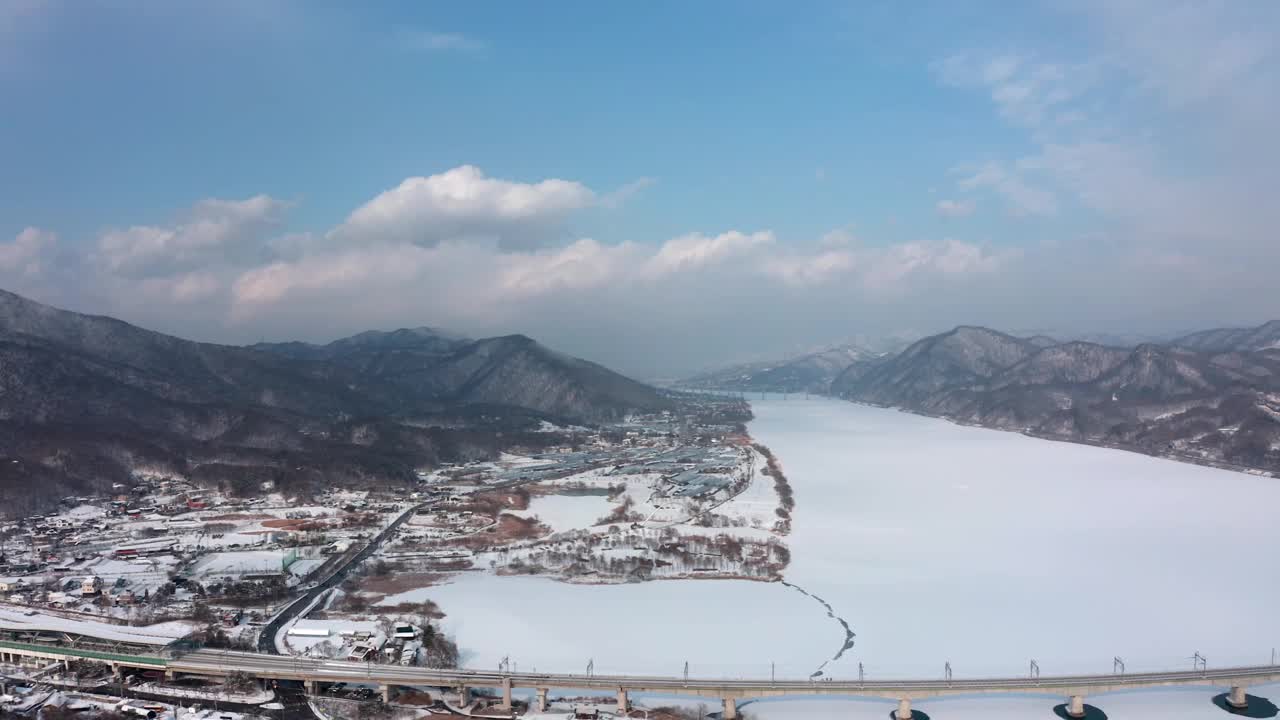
<point>86,399</point>
<point>808,372</point>
<point>1263,337</point>
<point>442,369</point>
<point>1219,404</point>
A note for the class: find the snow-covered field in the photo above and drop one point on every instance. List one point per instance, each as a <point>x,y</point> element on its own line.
<point>567,512</point>
<point>721,627</point>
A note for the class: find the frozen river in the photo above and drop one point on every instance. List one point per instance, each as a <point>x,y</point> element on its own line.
<point>935,543</point>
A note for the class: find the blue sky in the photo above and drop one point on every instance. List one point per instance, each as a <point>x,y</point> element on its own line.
<point>817,172</point>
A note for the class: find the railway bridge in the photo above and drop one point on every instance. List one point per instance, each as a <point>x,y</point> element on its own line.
<point>314,672</point>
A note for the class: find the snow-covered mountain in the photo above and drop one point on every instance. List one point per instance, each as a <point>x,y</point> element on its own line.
<point>1263,337</point>
<point>1217,403</point>
<point>809,372</point>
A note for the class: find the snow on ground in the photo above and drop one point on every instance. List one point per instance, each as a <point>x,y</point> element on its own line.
<point>507,460</point>
<point>13,618</point>
<point>566,512</point>
<point>936,543</point>
<point>416,595</point>
<point>239,563</point>
<point>939,543</point>
<point>721,627</point>
<point>335,628</point>
<point>85,512</point>
<point>757,503</point>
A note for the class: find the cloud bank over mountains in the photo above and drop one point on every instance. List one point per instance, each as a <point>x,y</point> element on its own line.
<point>1131,189</point>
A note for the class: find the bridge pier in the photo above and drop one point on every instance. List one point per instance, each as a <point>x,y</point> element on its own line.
<point>623,706</point>
<point>387,692</point>
<point>1075,706</point>
<point>542,700</point>
<point>464,695</point>
<point>309,687</point>
<point>730,709</point>
<point>506,694</point>
<point>904,709</point>
<point>1237,697</point>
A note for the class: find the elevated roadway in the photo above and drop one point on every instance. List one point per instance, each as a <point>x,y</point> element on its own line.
<point>1074,688</point>
<point>313,672</point>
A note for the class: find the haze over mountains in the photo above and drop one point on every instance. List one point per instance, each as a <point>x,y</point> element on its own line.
<point>808,372</point>
<point>84,400</point>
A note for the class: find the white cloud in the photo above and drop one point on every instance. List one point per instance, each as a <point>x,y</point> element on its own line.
<point>1192,52</point>
<point>182,288</point>
<point>581,265</point>
<point>954,208</point>
<point>695,250</point>
<point>886,270</point>
<point>840,237</point>
<point>1162,133</point>
<point>214,230</point>
<point>1026,92</point>
<point>340,270</point>
<point>463,203</point>
<point>806,270</point>
<point>1024,198</point>
<point>25,254</point>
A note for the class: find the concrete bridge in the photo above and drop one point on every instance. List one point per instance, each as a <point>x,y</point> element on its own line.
<point>311,672</point>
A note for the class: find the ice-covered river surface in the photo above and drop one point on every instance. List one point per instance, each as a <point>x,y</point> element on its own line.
<point>936,543</point>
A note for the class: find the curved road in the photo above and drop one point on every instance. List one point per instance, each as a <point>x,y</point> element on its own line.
<point>267,636</point>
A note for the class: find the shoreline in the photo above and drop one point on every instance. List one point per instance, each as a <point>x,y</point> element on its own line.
<point>1138,450</point>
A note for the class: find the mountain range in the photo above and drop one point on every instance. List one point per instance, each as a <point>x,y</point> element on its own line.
<point>1210,397</point>
<point>87,400</point>
<point>809,372</point>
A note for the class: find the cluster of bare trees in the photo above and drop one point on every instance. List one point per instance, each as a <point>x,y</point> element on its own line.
<point>622,513</point>
<point>665,552</point>
<point>786,499</point>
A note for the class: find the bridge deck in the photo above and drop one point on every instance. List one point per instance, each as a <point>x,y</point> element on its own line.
<point>282,667</point>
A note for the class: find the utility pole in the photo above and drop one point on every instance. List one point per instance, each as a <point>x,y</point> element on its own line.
<point>1035,669</point>
<point>591,666</point>
<point>860,674</point>
<point>686,672</point>
<point>1200,662</point>
<point>773,672</point>
<point>1117,665</point>
<point>947,671</point>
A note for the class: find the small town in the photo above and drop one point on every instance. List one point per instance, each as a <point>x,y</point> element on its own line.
<point>164,566</point>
